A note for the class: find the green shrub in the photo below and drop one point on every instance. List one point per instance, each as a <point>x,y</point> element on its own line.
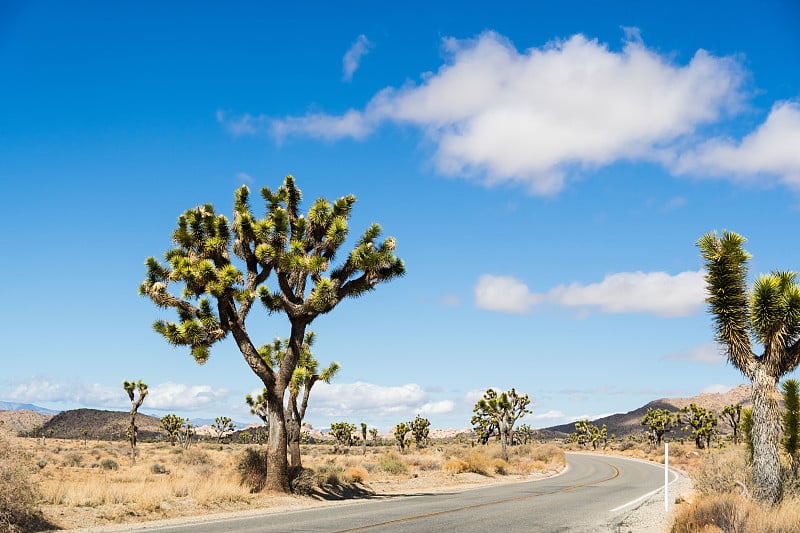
<point>301,481</point>
<point>73,459</point>
<point>157,468</point>
<point>109,464</point>
<point>392,464</point>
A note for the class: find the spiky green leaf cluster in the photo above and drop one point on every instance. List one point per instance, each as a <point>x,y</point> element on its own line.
<point>770,311</point>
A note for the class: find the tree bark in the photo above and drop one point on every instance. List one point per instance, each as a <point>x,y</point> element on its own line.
<point>293,436</point>
<point>277,479</point>
<point>766,436</point>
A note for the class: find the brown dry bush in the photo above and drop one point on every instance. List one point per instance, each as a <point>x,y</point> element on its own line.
<point>737,514</point>
<point>252,469</point>
<point>456,466</point>
<point>356,474</point>
<point>18,497</point>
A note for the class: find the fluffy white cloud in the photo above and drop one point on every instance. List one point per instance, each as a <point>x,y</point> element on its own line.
<point>352,58</point>
<point>710,353</point>
<point>627,292</point>
<point>504,293</point>
<point>534,117</point>
<point>769,151</point>
<point>437,408</point>
<point>367,399</point>
<point>637,292</point>
<point>178,396</point>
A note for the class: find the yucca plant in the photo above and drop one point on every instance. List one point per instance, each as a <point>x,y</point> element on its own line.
<point>767,314</point>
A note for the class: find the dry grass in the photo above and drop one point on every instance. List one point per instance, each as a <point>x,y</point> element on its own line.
<point>18,496</point>
<point>97,484</point>
<point>734,513</point>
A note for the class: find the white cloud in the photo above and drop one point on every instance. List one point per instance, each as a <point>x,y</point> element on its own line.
<point>504,293</point>
<point>710,353</point>
<point>771,151</point>
<point>627,292</point>
<point>437,408</point>
<point>352,58</point>
<point>178,396</point>
<point>637,292</point>
<point>537,116</point>
<point>367,399</point>
<point>243,125</point>
<point>165,396</point>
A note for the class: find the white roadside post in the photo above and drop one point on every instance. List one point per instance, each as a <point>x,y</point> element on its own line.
<point>666,476</point>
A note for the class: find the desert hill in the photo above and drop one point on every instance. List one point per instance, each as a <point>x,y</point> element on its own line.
<point>630,422</point>
<point>102,425</point>
<point>21,421</point>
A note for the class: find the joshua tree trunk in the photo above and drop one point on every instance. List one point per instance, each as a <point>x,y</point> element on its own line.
<point>766,435</point>
<point>293,436</point>
<point>277,467</point>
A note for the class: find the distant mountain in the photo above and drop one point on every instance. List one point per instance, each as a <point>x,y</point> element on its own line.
<point>21,421</point>
<point>14,406</point>
<point>630,422</point>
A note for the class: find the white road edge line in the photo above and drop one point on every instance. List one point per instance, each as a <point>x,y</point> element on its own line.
<point>644,497</point>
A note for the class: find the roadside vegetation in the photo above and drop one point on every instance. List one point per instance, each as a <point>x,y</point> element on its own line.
<point>95,484</point>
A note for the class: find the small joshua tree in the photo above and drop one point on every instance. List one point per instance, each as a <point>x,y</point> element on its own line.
<point>659,422</point>
<point>222,426</point>
<point>702,423</point>
<point>131,387</point>
<point>373,432</point>
<point>400,432</point>
<point>420,429</point>
<point>343,433</point>
<point>172,424</point>
<point>732,414</point>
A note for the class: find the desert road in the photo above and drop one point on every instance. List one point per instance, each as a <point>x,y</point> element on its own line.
<point>594,494</point>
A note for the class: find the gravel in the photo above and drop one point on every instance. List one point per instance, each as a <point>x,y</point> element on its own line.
<point>650,515</point>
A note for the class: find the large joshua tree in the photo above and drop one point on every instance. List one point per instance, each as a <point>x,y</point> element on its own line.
<point>223,268</point>
<point>767,314</point>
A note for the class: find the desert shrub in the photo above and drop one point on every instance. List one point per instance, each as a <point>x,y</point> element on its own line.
<point>73,459</point>
<point>727,512</point>
<point>109,464</point>
<point>500,466</point>
<point>252,469</point>
<point>18,497</point>
<point>356,474</point>
<point>302,481</point>
<point>194,456</point>
<point>478,462</point>
<point>456,466</point>
<point>157,468</point>
<point>329,474</point>
<point>41,463</point>
<point>391,463</point>
<point>721,472</point>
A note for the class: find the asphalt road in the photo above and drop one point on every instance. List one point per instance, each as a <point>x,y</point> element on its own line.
<point>593,495</point>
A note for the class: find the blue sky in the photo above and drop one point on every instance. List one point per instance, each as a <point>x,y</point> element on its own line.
<point>546,168</point>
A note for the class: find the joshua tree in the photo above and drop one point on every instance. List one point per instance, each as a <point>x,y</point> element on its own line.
<point>585,432</point>
<point>400,432</point>
<point>791,423</point>
<point>130,387</point>
<point>364,438</point>
<point>343,433</point>
<point>659,422</point>
<point>258,406</point>
<point>222,426</point>
<point>172,424</point>
<point>732,414</point>
<point>768,314</point>
<point>296,251</point>
<point>84,434</point>
<point>702,423</point>
<point>373,432</point>
<point>420,428</point>
<point>502,409</point>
